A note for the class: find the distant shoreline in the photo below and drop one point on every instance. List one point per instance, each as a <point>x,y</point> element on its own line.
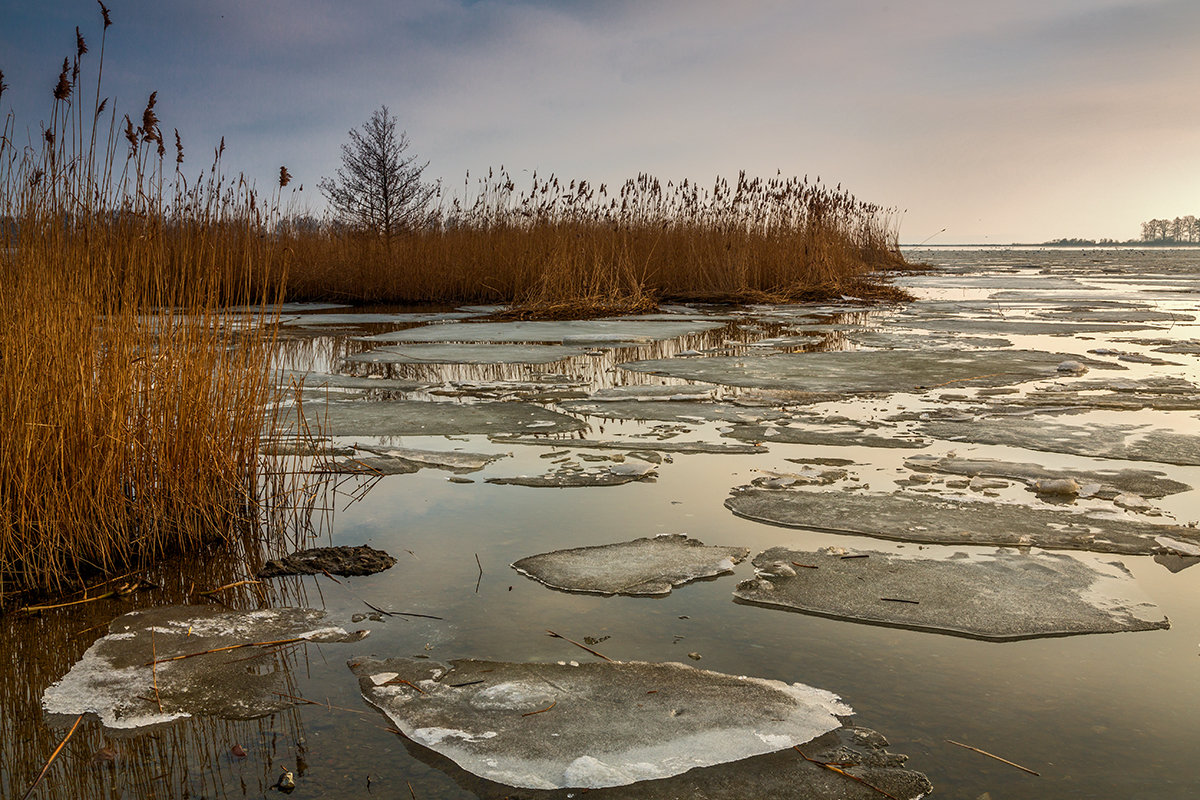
<point>1051,245</point>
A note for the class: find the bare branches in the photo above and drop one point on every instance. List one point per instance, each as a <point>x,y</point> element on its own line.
<point>379,186</point>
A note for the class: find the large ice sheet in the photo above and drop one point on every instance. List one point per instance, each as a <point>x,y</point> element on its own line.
<point>115,680</point>
<point>910,518</point>
<point>1135,442</point>
<point>999,595</point>
<point>597,724</point>
<point>640,567</point>
<point>866,371</point>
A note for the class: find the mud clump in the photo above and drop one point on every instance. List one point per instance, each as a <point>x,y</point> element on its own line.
<point>360,560</point>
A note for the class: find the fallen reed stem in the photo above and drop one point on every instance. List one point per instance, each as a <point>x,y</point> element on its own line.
<point>577,644</point>
<point>992,755</point>
<point>49,761</point>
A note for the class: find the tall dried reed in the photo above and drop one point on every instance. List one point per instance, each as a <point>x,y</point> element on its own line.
<point>570,246</point>
<point>132,407</point>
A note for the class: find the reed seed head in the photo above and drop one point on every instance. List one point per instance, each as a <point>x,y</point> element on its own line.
<point>104,13</point>
<point>80,44</point>
<point>285,177</point>
<point>150,119</point>
<point>63,89</point>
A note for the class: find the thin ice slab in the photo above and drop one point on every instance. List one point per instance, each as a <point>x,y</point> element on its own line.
<point>570,332</point>
<point>1000,595</point>
<point>434,353</point>
<point>1130,442</point>
<point>368,417</point>
<point>865,371</point>
<point>611,475</point>
<point>911,518</point>
<point>661,447</point>
<point>641,567</point>
<point>1108,482</point>
<point>452,460</point>
<point>845,435</point>
<point>673,410</point>
<point>115,679</point>
<point>597,724</point>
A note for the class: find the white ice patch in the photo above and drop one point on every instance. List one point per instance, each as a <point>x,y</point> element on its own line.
<point>511,695</point>
<point>1183,547</point>
<point>434,736</point>
<point>93,685</point>
<point>383,677</point>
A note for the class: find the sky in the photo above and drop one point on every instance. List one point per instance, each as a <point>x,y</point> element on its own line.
<point>980,121</point>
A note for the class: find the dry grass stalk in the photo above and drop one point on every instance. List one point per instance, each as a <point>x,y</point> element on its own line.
<point>133,406</point>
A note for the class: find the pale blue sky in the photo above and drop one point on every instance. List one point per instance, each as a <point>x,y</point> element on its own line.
<point>999,121</point>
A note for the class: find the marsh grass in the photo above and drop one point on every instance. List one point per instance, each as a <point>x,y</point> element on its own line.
<point>132,407</point>
<point>569,248</point>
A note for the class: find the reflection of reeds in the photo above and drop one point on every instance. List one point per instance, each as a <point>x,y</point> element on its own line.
<point>574,249</point>
<point>132,407</point>
<point>187,757</point>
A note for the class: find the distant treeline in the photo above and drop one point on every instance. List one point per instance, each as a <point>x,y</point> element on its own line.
<point>1181,230</point>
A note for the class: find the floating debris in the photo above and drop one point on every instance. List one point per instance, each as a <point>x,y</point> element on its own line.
<point>344,560</point>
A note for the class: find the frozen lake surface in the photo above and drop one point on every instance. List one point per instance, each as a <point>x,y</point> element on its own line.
<point>1056,390</point>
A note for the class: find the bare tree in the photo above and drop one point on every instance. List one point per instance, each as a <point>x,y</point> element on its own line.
<point>379,187</point>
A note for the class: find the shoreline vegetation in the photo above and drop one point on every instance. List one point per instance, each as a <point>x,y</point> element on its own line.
<point>135,405</point>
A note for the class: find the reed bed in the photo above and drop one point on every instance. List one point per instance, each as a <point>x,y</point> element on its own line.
<point>571,248</point>
<point>133,407</point>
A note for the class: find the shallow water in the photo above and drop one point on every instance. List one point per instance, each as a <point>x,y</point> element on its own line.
<point>1104,716</point>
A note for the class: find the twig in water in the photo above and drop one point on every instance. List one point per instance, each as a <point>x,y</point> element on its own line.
<point>841,771</point>
<point>223,649</point>
<point>577,644</point>
<point>121,591</point>
<point>326,704</point>
<point>900,600</point>
<point>50,760</point>
<point>856,555</point>
<point>998,758</point>
<point>395,681</point>
<point>228,586</point>
<point>806,566</point>
<point>540,710</point>
<point>479,580</point>
<point>410,791</point>
<point>466,683</point>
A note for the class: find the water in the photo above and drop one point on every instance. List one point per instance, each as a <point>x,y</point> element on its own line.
<point>1104,716</point>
